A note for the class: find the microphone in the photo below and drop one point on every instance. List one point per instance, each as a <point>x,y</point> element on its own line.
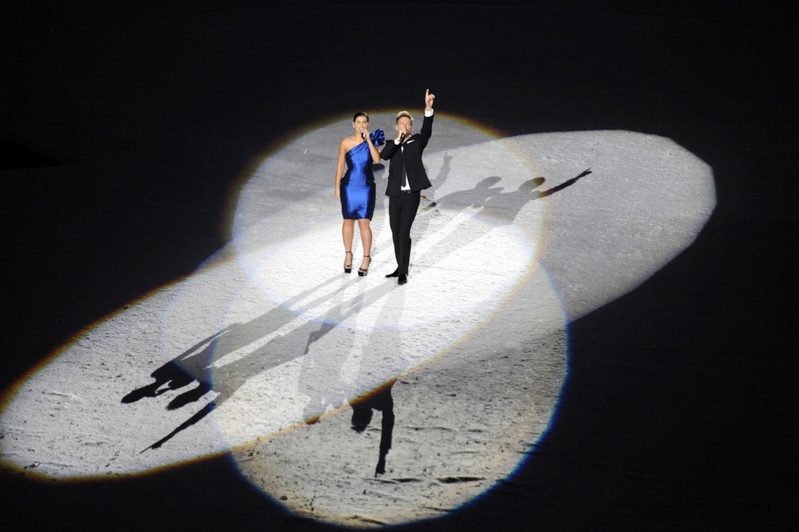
<point>402,137</point>
<point>363,137</point>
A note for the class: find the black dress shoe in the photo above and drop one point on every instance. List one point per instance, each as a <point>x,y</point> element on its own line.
<point>395,273</point>
<point>402,279</point>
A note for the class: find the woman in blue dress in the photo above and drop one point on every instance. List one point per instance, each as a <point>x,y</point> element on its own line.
<point>356,187</point>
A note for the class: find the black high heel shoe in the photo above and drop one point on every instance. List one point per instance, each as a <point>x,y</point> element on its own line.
<point>348,267</point>
<point>361,271</point>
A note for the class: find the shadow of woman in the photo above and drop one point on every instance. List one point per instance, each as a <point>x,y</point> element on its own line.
<point>382,356</point>
<point>501,207</point>
<point>193,366</point>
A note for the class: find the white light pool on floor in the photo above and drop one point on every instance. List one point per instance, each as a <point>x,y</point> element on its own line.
<point>516,238</point>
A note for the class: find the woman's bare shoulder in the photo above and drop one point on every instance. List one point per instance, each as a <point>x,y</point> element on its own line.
<point>347,143</point>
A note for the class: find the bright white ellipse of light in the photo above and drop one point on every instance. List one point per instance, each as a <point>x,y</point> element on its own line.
<point>508,247</point>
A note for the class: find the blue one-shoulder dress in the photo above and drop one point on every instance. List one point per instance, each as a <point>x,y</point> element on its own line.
<point>357,185</point>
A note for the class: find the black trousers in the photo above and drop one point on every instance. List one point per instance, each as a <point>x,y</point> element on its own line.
<point>401,213</point>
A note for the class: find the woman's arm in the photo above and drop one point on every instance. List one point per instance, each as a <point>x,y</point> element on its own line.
<point>373,150</point>
<point>339,168</point>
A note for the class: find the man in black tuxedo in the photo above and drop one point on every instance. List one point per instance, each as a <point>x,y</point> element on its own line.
<point>406,178</point>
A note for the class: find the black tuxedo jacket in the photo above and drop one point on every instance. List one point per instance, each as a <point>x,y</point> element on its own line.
<point>413,147</point>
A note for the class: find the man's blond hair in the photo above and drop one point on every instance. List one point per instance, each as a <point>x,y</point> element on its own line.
<point>401,114</point>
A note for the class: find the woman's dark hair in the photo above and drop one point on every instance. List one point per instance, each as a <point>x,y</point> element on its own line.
<point>360,113</point>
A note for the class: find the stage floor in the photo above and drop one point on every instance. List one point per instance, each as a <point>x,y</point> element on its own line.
<point>593,335</point>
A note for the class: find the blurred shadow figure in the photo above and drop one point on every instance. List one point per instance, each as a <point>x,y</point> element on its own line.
<point>509,204</point>
<point>486,198</point>
<point>474,197</point>
<point>362,416</point>
<point>182,371</point>
<point>194,364</point>
<point>320,374</point>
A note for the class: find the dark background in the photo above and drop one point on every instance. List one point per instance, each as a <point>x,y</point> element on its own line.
<point>124,132</point>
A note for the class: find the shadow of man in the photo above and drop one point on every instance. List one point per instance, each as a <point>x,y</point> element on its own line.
<point>362,409</point>
<point>191,366</point>
<point>501,207</point>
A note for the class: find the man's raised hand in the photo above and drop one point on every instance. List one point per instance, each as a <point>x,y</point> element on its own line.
<point>428,100</point>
